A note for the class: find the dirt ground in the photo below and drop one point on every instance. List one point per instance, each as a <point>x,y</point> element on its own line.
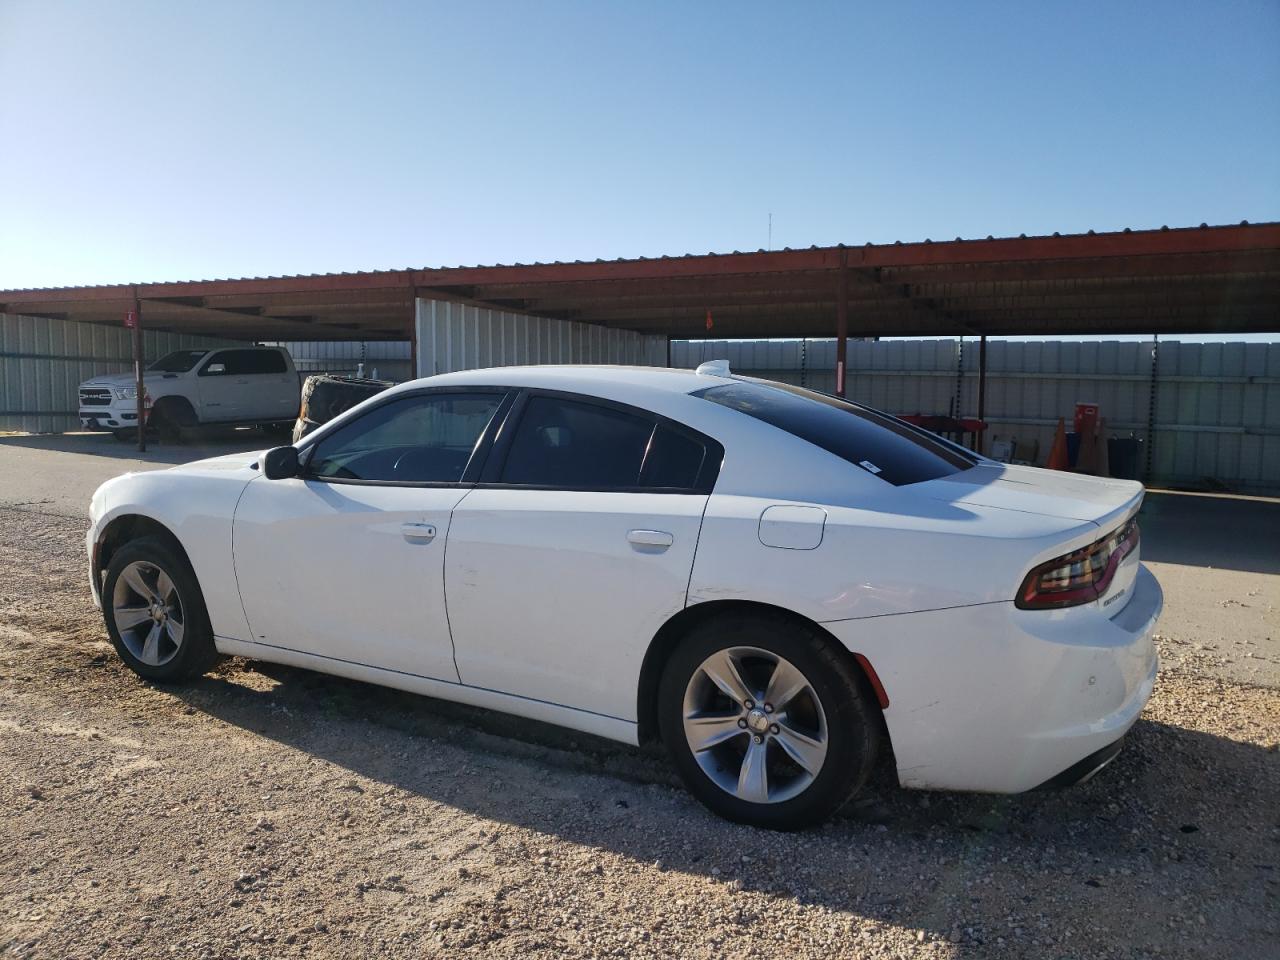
<point>271,812</point>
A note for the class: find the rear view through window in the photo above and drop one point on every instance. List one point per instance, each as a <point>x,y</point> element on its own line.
<point>566,444</point>
<point>888,448</point>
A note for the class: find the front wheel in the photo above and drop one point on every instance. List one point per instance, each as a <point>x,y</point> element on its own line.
<point>155,612</point>
<point>767,721</point>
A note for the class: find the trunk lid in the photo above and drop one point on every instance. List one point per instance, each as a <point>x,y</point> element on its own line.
<point>1070,496</point>
<point>1050,493</point>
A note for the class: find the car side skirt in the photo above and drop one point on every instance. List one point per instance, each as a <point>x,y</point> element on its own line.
<point>611,728</point>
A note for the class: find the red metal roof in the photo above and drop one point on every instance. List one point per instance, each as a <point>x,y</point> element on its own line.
<point>1187,280</point>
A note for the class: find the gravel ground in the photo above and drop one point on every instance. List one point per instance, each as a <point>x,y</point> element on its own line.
<point>271,812</point>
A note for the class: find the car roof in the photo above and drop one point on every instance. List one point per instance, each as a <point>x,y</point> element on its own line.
<point>577,378</point>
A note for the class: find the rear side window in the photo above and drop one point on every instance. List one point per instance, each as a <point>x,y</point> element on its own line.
<point>875,442</point>
<point>560,443</point>
<point>673,460</point>
<point>568,444</point>
<point>262,361</point>
<point>242,363</point>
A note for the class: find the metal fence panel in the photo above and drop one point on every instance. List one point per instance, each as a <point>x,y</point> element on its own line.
<point>457,336</point>
<point>43,361</point>
<point>383,359</point>
<point>1216,406</point>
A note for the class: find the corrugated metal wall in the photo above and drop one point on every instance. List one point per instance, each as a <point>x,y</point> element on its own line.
<point>43,361</point>
<point>1216,407</point>
<point>455,336</point>
<point>390,359</point>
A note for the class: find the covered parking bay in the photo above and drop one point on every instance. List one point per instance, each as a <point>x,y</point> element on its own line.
<point>1199,280</point>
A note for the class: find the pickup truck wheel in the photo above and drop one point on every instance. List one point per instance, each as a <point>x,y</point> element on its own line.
<point>155,612</point>
<point>125,436</point>
<point>170,415</point>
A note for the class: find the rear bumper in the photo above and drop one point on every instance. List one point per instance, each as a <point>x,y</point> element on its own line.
<point>995,699</point>
<point>1083,770</point>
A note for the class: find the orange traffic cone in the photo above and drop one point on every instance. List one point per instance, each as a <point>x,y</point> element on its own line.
<point>1058,453</point>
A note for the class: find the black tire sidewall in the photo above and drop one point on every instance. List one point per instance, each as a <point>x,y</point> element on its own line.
<point>197,651</point>
<point>853,720</point>
<point>170,416</point>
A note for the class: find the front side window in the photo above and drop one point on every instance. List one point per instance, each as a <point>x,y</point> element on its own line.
<point>180,361</point>
<point>875,442</point>
<point>427,438</point>
<point>574,445</point>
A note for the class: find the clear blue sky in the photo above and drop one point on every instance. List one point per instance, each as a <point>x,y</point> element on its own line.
<point>164,141</point>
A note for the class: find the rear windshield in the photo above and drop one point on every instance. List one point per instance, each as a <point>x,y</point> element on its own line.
<point>180,361</point>
<point>880,444</point>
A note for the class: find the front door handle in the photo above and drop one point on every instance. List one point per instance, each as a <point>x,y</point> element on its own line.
<point>654,539</point>
<point>421,532</point>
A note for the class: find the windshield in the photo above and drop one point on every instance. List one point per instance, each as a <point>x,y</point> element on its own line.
<point>180,361</point>
<point>875,442</point>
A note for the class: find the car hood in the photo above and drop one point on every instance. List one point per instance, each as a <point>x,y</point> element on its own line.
<point>1051,493</point>
<point>127,379</point>
<point>230,461</point>
<point>111,380</point>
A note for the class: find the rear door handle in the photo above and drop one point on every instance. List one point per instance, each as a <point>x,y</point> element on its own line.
<point>659,539</point>
<point>423,532</point>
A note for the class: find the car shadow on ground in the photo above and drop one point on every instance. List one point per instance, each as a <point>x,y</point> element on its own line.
<point>1168,815</point>
<point>197,443</point>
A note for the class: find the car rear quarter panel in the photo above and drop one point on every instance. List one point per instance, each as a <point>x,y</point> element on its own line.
<point>993,698</point>
<point>900,554</point>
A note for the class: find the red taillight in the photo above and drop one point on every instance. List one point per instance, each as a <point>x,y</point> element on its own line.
<point>1079,577</point>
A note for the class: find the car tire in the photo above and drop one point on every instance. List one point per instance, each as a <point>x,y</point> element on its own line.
<point>127,435</point>
<point>155,613</point>
<point>170,416</point>
<point>816,747</point>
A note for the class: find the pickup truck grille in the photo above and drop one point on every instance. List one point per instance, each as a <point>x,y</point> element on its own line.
<point>95,398</point>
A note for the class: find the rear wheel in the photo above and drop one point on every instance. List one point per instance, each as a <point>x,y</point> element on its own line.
<point>767,722</point>
<point>155,612</point>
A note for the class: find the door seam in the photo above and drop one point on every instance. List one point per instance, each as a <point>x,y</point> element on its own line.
<point>688,584</point>
<point>444,583</point>
<point>235,568</point>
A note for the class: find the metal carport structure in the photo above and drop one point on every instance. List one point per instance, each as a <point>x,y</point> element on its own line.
<point>1196,280</point>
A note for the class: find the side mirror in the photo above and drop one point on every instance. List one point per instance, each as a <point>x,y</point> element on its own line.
<point>281,463</point>
<point>215,369</point>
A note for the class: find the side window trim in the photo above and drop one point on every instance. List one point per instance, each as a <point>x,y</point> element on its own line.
<point>713,450</point>
<point>479,453</point>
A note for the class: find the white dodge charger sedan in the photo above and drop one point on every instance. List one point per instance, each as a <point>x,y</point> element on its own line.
<point>775,583</point>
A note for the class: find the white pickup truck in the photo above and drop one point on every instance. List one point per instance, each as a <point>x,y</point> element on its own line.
<point>187,388</point>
